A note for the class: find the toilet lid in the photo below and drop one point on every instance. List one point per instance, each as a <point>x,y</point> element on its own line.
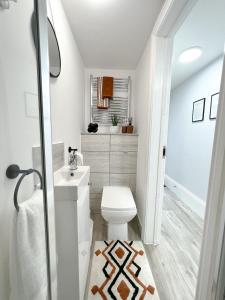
<point>117,198</point>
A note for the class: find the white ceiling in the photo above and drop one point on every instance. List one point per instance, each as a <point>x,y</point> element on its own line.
<point>112,33</point>
<point>204,27</point>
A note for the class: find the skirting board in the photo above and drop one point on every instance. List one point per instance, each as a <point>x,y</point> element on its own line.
<point>194,202</point>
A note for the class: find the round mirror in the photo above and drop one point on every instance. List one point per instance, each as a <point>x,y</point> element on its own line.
<point>54,52</point>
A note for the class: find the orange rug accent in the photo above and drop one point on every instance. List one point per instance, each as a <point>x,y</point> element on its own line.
<point>120,270</point>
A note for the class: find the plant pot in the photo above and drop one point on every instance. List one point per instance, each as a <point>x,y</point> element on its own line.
<point>114,129</point>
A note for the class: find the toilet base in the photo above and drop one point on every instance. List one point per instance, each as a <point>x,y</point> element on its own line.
<point>117,232</point>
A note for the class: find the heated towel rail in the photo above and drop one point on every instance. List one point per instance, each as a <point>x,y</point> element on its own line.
<point>119,105</point>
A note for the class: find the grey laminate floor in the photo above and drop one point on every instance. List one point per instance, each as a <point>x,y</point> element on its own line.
<point>174,263</point>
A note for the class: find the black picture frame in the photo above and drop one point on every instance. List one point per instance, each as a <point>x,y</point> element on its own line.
<point>213,98</point>
<point>201,118</point>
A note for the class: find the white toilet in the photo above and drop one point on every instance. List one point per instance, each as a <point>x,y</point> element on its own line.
<point>118,208</point>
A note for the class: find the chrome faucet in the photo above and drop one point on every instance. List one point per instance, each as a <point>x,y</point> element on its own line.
<point>72,159</point>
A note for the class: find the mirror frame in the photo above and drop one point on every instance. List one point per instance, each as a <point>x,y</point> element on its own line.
<point>60,61</point>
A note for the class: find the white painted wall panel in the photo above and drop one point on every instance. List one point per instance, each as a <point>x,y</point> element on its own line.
<point>142,81</point>
<point>67,91</point>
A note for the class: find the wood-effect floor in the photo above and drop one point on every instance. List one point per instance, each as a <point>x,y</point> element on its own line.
<point>174,263</point>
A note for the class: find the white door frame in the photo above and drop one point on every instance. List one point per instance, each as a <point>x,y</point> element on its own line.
<point>212,243</point>
<point>171,17</point>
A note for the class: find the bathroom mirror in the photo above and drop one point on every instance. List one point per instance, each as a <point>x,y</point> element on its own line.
<point>53,46</point>
<point>54,52</point>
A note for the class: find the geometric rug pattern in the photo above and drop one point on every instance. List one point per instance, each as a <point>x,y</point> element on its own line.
<point>120,270</point>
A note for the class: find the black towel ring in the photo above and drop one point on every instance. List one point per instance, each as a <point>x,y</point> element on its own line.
<point>12,172</point>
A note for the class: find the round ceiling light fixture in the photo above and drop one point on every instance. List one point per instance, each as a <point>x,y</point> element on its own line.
<point>189,55</point>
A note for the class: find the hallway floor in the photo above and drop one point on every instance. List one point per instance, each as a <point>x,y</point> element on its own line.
<point>174,263</point>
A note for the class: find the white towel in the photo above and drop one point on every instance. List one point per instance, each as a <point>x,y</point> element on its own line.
<point>28,266</point>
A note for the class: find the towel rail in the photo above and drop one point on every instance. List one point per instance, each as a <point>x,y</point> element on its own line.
<point>13,172</point>
<point>119,105</point>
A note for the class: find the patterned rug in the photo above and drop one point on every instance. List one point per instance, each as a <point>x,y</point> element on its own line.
<point>120,270</point>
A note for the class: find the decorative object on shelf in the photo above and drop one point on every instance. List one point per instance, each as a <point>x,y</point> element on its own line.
<point>92,127</point>
<point>198,110</point>
<point>124,129</point>
<point>5,4</point>
<point>124,125</point>
<point>214,106</point>
<point>114,128</point>
<point>130,127</point>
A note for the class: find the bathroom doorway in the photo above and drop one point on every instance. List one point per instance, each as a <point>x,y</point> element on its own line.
<point>196,78</point>
<point>210,253</point>
<point>25,197</point>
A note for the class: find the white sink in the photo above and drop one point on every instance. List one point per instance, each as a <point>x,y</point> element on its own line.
<point>65,176</point>
<point>70,183</point>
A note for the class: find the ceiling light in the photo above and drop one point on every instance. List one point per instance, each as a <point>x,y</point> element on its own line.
<point>189,55</point>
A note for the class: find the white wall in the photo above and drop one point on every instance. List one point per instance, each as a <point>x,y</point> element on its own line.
<point>67,91</point>
<point>142,78</point>
<point>105,72</point>
<point>5,188</point>
<point>190,144</point>
<point>19,131</point>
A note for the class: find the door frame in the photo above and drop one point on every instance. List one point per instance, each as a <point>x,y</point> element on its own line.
<point>170,19</point>
<point>168,22</point>
<point>46,143</point>
<point>211,259</point>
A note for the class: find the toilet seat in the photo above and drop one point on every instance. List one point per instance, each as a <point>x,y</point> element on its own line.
<point>117,198</point>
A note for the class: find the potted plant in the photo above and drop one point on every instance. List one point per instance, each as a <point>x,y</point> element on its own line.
<point>114,128</point>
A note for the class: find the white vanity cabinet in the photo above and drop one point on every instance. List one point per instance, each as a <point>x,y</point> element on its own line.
<point>73,232</point>
<point>113,161</point>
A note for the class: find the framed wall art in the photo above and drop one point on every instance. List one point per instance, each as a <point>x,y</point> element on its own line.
<point>198,110</point>
<point>214,106</point>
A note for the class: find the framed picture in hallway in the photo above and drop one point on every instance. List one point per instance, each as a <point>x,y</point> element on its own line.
<point>198,110</point>
<point>214,106</point>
